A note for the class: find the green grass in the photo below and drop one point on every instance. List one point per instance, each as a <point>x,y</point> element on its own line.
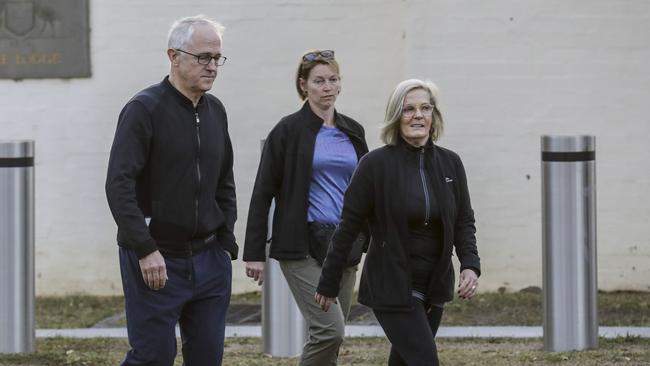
<point>68,351</point>
<point>83,311</point>
<point>495,309</point>
<point>521,308</point>
<point>80,311</point>
<point>355,351</point>
<point>615,309</point>
<point>624,308</point>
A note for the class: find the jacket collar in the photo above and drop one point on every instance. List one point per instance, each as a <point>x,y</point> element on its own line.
<point>344,125</point>
<point>408,147</point>
<point>311,119</point>
<point>315,122</point>
<point>180,97</point>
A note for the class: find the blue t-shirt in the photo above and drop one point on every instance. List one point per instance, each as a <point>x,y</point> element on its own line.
<point>332,167</point>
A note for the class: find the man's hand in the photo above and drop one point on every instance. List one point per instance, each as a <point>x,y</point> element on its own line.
<point>154,270</point>
<point>255,270</point>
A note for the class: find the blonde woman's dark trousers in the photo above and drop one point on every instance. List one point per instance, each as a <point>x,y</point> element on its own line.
<point>412,334</point>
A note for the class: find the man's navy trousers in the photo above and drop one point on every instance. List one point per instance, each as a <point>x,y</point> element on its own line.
<point>196,296</point>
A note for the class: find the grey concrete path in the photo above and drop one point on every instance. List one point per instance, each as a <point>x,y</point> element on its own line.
<point>235,331</point>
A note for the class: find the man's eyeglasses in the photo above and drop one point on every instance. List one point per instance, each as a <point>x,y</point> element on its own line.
<point>204,58</point>
<point>325,54</point>
<point>409,110</point>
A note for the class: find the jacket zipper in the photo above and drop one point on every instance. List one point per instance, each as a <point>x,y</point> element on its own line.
<point>198,173</point>
<point>424,188</point>
<point>198,192</point>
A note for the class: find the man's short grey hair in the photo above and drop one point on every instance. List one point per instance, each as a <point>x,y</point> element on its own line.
<point>181,31</point>
<point>391,130</point>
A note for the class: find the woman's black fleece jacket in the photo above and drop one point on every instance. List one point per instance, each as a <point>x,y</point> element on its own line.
<point>375,196</point>
<point>284,174</point>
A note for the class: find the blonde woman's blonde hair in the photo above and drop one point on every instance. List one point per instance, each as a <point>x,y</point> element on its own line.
<point>391,130</point>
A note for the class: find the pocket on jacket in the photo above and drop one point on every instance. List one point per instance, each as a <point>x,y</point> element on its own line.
<point>214,217</point>
<point>171,212</point>
<point>167,222</point>
<point>356,252</point>
<point>442,285</point>
<point>386,277</point>
<point>158,210</point>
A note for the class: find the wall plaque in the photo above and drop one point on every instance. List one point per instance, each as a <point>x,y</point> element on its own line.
<point>44,39</point>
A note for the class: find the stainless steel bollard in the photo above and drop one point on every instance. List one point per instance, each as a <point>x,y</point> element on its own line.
<point>569,243</point>
<point>284,330</point>
<point>17,333</point>
<point>283,327</point>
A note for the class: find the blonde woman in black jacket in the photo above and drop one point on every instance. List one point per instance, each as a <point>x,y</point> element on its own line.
<point>414,195</point>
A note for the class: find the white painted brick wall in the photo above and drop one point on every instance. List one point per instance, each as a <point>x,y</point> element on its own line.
<point>509,71</point>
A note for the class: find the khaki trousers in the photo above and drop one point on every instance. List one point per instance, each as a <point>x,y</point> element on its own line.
<point>326,329</point>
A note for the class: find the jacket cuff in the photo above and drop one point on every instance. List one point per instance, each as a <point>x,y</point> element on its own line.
<point>233,249</point>
<point>323,290</point>
<point>144,249</point>
<point>228,243</point>
<point>475,269</point>
<point>253,254</point>
<point>253,258</point>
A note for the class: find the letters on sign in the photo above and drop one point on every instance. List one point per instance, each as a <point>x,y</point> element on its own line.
<point>44,39</point>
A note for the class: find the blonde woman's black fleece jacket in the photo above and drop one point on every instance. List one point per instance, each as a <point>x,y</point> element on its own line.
<point>375,196</point>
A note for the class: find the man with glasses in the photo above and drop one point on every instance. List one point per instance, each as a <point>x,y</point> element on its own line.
<point>171,190</point>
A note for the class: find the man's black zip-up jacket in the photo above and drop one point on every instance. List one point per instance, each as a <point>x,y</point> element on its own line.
<point>285,173</point>
<point>173,163</point>
<point>375,194</point>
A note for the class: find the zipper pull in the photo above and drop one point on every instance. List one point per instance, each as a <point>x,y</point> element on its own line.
<point>196,114</point>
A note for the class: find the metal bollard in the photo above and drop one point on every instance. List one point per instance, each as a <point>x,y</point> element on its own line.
<point>569,243</point>
<point>283,327</point>
<point>17,333</point>
<point>284,330</point>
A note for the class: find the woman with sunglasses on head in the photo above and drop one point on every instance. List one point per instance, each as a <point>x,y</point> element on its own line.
<point>307,162</point>
<point>414,195</point>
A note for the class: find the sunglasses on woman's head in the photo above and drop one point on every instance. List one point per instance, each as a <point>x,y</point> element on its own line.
<point>325,54</point>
